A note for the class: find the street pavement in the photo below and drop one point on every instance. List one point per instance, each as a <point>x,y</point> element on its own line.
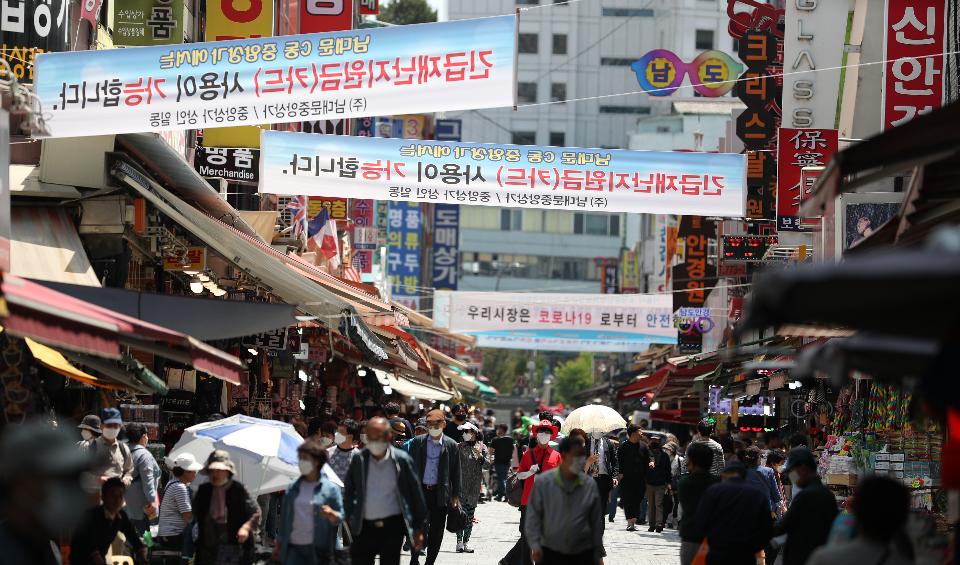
<point>498,530</point>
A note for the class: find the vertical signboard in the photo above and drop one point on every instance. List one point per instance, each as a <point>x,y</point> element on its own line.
<point>29,27</point>
<point>4,191</point>
<point>813,39</point>
<point>629,272</point>
<point>609,277</point>
<point>369,7</point>
<point>404,226</point>
<point>913,49</point>
<point>364,234</point>
<point>661,267</point>
<point>693,278</point>
<point>446,246</point>
<point>317,16</point>
<point>796,149</point>
<point>137,23</point>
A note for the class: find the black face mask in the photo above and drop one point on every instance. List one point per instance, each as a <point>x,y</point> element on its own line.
<point>460,417</point>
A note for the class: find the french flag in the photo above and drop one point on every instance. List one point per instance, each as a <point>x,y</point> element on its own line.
<point>323,231</point>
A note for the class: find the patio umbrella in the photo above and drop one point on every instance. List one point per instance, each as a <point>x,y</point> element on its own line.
<point>593,418</point>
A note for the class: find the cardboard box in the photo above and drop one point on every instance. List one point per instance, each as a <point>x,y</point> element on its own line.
<point>846,479</point>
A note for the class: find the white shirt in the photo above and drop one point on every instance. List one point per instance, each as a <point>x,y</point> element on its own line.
<point>302,531</point>
<point>602,462</point>
<point>381,500</point>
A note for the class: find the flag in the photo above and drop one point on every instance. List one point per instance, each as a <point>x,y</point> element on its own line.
<point>323,231</point>
<point>298,216</point>
<point>351,274</point>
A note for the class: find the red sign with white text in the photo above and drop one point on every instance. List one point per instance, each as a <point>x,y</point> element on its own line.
<point>796,149</point>
<point>913,80</point>
<point>318,16</point>
<point>369,7</point>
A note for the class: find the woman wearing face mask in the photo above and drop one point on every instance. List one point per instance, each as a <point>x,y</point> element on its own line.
<point>89,428</point>
<point>226,516</point>
<point>473,457</point>
<point>312,509</point>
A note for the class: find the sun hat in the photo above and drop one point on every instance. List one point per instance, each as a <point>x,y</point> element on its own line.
<point>220,460</point>
<point>187,462</point>
<point>91,422</point>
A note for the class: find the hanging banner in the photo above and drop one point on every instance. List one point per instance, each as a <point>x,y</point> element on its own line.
<point>364,233</point>
<point>446,245</point>
<point>456,65</point>
<point>147,22</point>
<point>799,148</point>
<point>517,176</point>
<point>404,223</point>
<point>913,43</point>
<point>29,28</point>
<point>693,278</point>
<point>562,322</point>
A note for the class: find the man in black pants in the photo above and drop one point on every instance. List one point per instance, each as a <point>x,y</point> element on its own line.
<point>604,465</point>
<point>437,458</point>
<point>634,458</point>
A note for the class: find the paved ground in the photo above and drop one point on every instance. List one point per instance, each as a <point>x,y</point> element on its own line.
<point>498,531</point>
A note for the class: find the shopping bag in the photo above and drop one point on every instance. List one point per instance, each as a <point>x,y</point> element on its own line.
<point>701,557</point>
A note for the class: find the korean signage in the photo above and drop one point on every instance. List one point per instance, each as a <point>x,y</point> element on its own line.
<point>799,148</point>
<point>813,40</point>
<point>563,322</point>
<point>235,165</point>
<point>517,176</point>
<point>338,208</point>
<point>693,277</point>
<point>446,245</point>
<point>660,279</point>
<point>711,73</point>
<point>364,232</point>
<point>325,15</point>
<point>445,66</point>
<point>274,339</point>
<point>147,22</point>
<point>448,130</point>
<point>629,272</point>
<point>366,126</point>
<point>28,28</point>
<point>609,277</point>
<point>404,229</point>
<point>369,7</point>
<point>195,259</point>
<point>745,248</point>
<point>913,47</point>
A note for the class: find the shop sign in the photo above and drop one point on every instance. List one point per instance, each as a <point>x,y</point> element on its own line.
<point>695,275</point>
<point>660,280</point>
<point>693,323</point>
<point>796,149</point>
<point>338,208</point>
<point>814,35</point>
<point>629,272</point>
<point>366,126</point>
<point>610,279</point>
<point>404,230</point>
<point>325,15</point>
<point>661,72</point>
<point>758,15</point>
<point>457,65</point>
<point>914,51</point>
<point>28,28</point>
<point>364,231</point>
<point>147,22</point>
<point>196,255</point>
<point>369,7</point>
<point>272,340</point>
<point>446,245</point>
<point>234,165</point>
<point>238,19</point>
<point>448,130</point>
<point>518,176</point>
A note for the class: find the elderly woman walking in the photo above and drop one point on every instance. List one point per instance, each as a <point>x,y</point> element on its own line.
<point>473,458</point>
<point>226,516</point>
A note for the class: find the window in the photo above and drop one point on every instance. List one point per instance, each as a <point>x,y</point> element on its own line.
<point>616,61</point>
<point>558,139</point>
<point>530,2</point>
<point>663,129</point>
<point>558,92</point>
<point>624,110</point>
<point>704,39</point>
<point>596,224</point>
<point>527,43</point>
<point>527,92</point>
<point>628,12</point>
<point>559,44</point>
<point>511,220</point>
<point>524,138</point>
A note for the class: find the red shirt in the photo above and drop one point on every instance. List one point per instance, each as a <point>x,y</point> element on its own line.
<point>544,456</point>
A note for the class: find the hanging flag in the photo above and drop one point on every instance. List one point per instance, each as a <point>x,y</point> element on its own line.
<point>298,215</point>
<point>325,237</point>
<point>351,274</point>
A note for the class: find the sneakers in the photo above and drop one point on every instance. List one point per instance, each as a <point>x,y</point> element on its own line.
<point>466,548</point>
<point>631,528</point>
<point>459,547</point>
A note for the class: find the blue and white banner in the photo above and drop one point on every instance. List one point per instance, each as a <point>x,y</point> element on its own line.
<point>446,246</point>
<point>519,176</point>
<point>456,65</point>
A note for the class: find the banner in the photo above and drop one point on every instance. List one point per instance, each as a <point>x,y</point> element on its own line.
<point>147,22</point>
<point>913,41</point>
<point>404,227</point>
<point>517,176</point>
<point>29,28</point>
<point>693,278</point>
<point>796,149</point>
<point>338,208</point>
<point>446,246</point>
<point>364,233</point>
<point>561,322</point>
<point>457,65</point>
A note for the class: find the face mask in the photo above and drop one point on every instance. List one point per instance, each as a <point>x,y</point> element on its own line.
<point>363,439</point>
<point>794,477</point>
<point>578,463</point>
<point>111,433</point>
<point>460,417</point>
<point>63,508</point>
<point>306,467</point>
<point>468,436</point>
<point>543,439</point>
<point>339,438</point>
<point>87,435</point>
<point>325,442</point>
<point>378,448</point>
<point>435,433</point>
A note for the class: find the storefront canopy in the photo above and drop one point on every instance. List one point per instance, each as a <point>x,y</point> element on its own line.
<point>644,384</point>
<point>44,245</point>
<point>411,388</point>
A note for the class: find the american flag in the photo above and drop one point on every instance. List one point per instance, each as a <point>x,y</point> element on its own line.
<point>298,216</point>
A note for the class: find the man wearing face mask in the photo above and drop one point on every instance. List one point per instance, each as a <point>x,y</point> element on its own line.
<point>453,426</point>
<point>112,458</point>
<point>341,454</point>
<point>383,502</point>
<point>473,457</point>
<point>603,458</point>
<point>807,522</point>
<point>635,461</point>
<point>328,431</point>
<point>437,459</point>
<point>658,479</point>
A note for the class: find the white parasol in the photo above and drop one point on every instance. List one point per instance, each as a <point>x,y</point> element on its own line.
<point>593,418</point>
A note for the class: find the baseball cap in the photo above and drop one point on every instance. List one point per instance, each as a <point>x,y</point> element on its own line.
<point>187,462</point>
<point>112,416</point>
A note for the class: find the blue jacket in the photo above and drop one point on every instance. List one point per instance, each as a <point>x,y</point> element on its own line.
<point>324,533</point>
<point>765,480</point>
<point>413,506</point>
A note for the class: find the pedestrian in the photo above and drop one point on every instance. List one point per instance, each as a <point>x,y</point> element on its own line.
<point>100,526</point>
<point>310,513</point>
<point>436,458</point>
<point>226,514</point>
<point>690,489</point>
<point>89,428</point>
<point>705,431</point>
<point>634,458</point>
<point>670,505</point>
<point>328,431</point>
<point>176,509</point>
<point>503,447</point>
<point>603,464</point>
<point>734,517</point>
<point>775,460</point>
<point>392,411</point>
<point>534,461</point>
<point>564,524</point>
<point>762,477</point>
<point>383,501</point>
<point>111,457</point>
<point>473,458</point>
<point>658,481</point>
<point>419,429</point>
<point>807,522</point>
<point>341,454</point>
<point>459,418</point>
<point>880,509</point>
<point>142,500</point>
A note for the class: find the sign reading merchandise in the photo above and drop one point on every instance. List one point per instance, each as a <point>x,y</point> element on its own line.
<point>447,66</point>
<point>913,49</point>
<point>517,176</point>
<point>797,149</point>
<point>29,28</point>
<point>147,22</point>
<point>235,165</point>
<point>446,245</point>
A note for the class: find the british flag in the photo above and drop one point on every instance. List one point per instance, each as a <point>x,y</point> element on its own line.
<point>298,216</point>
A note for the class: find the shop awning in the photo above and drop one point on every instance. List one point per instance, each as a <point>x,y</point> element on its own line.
<point>25,183</point>
<point>486,390</point>
<point>412,389</point>
<point>56,362</point>
<point>462,383</point>
<point>44,245</point>
<point>680,381</point>
<point>263,223</point>
<point>644,384</point>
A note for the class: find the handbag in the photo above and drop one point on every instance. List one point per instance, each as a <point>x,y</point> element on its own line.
<point>456,519</point>
<point>341,556</point>
<point>515,485</point>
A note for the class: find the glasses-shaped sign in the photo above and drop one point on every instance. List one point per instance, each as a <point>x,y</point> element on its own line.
<point>661,72</point>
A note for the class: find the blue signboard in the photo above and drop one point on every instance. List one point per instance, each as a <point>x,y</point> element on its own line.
<point>404,226</point>
<point>446,236</point>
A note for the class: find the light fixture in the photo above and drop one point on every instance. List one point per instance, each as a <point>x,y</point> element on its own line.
<point>210,285</point>
<point>196,286</point>
<point>218,292</point>
<point>203,277</point>
<point>190,272</point>
<point>387,390</point>
<point>361,372</point>
<point>655,406</point>
<point>305,318</point>
<point>795,385</point>
<point>303,375</point>
<point>252,351</point>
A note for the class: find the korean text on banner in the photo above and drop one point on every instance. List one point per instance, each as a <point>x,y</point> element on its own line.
<point>404,229</point>
<point>913,43</point>
<point>457,65</point>
<point>519,176</point>
<point>29,28</point>
<point>446,245</point>
<point>799,148</point>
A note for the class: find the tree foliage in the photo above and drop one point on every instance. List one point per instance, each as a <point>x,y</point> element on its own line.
<point>503,366</point>
<point>403,12</point>
<point>573,376</point>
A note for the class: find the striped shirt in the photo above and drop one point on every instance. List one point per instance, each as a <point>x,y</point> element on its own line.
<point>176,501</point>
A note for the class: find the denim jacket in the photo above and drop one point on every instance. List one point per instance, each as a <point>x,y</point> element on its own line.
<point>324,533</point>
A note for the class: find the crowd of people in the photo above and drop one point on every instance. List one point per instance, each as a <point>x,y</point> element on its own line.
<point>369,489</point>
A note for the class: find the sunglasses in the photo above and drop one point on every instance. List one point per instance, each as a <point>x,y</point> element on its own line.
<point>712,73</point>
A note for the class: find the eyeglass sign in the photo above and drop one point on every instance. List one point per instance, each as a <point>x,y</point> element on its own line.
<point>661,72</point>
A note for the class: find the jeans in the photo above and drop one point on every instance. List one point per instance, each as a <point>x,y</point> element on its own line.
<point>383,538</point>
<point>655,504</point>
<point>464,536</point>
<point>305,555</point>
<point>502,469</point>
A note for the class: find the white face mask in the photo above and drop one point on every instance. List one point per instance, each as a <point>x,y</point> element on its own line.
<point>111,433</point>
<point>467,436</point>
<point>378,448</point>
<point>543,439</point>
<point>87,435</point>
<point>306,467</point>
<point>435,433</point>
<point>325,442</point>
<point>339,438</point>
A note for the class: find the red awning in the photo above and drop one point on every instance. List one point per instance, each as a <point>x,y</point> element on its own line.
<point>682,378</point>
<point>641,386</point>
